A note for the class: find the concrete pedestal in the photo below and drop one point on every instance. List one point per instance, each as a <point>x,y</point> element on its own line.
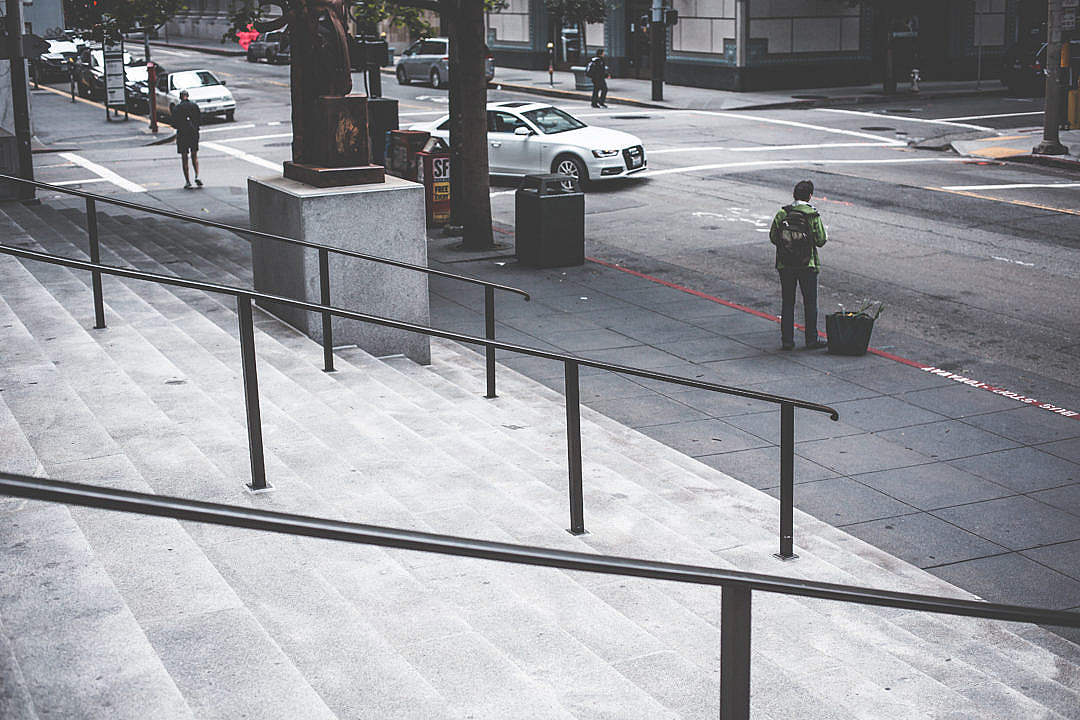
<point>386,219</point>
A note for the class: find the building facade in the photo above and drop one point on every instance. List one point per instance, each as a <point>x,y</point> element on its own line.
<point>761,44</point>
<point>202,19</point>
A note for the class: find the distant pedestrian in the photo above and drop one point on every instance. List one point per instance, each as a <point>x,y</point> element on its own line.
<point>598,73</point>
<point>185,118</point>
<point>797,232</point>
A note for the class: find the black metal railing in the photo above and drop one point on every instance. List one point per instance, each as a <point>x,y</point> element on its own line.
<point>324,266</point>
<point>571,365</point>
<point>737,587</point>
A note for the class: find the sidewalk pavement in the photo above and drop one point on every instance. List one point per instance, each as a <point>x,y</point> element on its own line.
<point>1018,147</point>
<point>213,47</point>
<point>627,91</point>
<point>979,488</point>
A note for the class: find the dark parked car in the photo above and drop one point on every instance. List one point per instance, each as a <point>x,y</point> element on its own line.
<point>1023,69</point>
<point>272,47</point>
<point>52,64</point>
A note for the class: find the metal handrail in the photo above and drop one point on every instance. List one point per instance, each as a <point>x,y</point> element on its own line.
<point>736,586</point>
<point>571,364</point>
<point>324,264</point>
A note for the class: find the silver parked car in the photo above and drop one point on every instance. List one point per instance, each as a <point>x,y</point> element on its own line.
<point>429,61</point>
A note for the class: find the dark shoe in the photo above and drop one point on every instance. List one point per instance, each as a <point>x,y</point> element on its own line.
<point>788,346</point>
<point>603,105</point>
<point>595,105</point>
<point>816,345</point>
<point>187,186</point>
<point>198,182</point>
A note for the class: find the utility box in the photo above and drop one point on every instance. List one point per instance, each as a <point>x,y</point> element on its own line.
<point>549,221</point>
<point>433,172</point>
<point>401,152</point>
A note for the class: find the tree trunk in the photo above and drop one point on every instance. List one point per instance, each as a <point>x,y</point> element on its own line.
<point>472,108</point>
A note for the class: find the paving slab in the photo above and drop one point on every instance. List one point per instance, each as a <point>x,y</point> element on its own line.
<point>925,540</point>
<point>1017,522</point>
<point>1024,469</point>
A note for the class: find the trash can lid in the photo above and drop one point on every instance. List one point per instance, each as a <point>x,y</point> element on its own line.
<point>550,184</point>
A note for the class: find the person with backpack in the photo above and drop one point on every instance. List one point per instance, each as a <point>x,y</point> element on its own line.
<point>597,72</point>
<point>797,232</point>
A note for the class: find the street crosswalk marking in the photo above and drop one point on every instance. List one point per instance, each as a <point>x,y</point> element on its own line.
<point>805,126</point>
<point>241,155</point>
<point>770,148</point>
<point>102,172</point>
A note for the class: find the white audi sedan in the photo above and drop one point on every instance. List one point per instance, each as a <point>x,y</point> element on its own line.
<point>528,137</point>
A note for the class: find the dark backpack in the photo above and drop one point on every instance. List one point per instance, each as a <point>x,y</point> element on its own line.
<point>796,244</point>
<point>595,69</point>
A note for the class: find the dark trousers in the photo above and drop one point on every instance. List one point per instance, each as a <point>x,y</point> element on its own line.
<point>806,279</point>
<point>599,91</point>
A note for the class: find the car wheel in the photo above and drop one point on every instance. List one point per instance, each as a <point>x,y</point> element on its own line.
<point>572,166</point>
<point>402,77</point>
<point>436,79</point>
<point>230,115</point>
<point>271,57</point>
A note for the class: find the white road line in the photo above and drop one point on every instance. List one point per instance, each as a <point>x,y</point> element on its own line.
<point>805,126</point>
<point>762,163</point>
<point>102,172</point>
<point>245,138</point>
<point>904,118</point>
<point>241,155</point>
<point>170,52</point>
<point>79,182</point>
<point>227,128</point>
<point>987,117</point>
<point>769,148</point>
<point>1013,186</point>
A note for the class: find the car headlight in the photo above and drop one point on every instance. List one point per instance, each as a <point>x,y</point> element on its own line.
<point>605,153</point>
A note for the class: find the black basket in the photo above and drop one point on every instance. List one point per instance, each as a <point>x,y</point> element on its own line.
<point>848,334</point>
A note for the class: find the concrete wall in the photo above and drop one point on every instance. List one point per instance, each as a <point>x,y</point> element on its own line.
<point>989,23</point>
<point>804,26</point>
<point>511,24</point>
<point>703,26</point>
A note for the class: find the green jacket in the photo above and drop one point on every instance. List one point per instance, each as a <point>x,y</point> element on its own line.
<point>817,229</point>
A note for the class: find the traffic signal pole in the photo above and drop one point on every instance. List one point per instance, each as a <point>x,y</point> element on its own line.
<point>20,98</point>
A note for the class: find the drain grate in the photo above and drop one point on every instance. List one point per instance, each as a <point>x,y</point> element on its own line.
<point>878,128</point>
<point>810,97</point>
<point>629,117</point>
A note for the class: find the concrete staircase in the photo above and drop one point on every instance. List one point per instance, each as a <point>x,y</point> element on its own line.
<point>104,615</point>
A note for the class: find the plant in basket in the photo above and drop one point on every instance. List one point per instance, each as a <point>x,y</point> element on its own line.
<point>849,332</point>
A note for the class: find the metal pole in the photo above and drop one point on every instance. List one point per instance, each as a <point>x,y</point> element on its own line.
<point>787,480</point>
<point>20,99</point>
<point>657,49</point>
<point>95,257</point>
<point>1051,142</point>
<point>573,447</point>
<point>978,69</point>
<point>324,298</point>
<point>251,393</point>
<point>489,333</point>
<point>742,41</point>
<point>735,652</point>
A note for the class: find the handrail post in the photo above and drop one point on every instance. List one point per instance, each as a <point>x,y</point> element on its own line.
<point>787,481</point>
<point>95,257</point>
<point>251,393</point>
<point>573,447</point>
<point>489,333</point>
<point>324,298</point>
<point>735,652</point>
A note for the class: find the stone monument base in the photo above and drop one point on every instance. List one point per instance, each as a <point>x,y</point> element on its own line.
<point>385,219</point>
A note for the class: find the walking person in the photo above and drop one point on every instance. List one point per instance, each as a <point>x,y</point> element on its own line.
<point>185,118</point>
<point>797,232</point>
<point>598,73</point>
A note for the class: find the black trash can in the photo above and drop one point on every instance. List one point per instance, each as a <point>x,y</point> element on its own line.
<point>549,221</point>
<point>849,334</point>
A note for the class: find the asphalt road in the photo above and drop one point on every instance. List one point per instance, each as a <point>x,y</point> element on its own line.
<point>977,262</point>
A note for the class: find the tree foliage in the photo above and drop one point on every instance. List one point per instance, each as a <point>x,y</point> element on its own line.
<point>123,15</point>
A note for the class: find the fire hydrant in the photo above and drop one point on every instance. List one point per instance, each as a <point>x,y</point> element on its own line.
<point>915,77</point>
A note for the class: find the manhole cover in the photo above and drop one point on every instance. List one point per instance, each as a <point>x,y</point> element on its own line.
<point>878,128</point>
<point>810,97</point>
<point>629,117</point>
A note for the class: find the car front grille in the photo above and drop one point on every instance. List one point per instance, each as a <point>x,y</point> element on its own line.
<point>634,157</point>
